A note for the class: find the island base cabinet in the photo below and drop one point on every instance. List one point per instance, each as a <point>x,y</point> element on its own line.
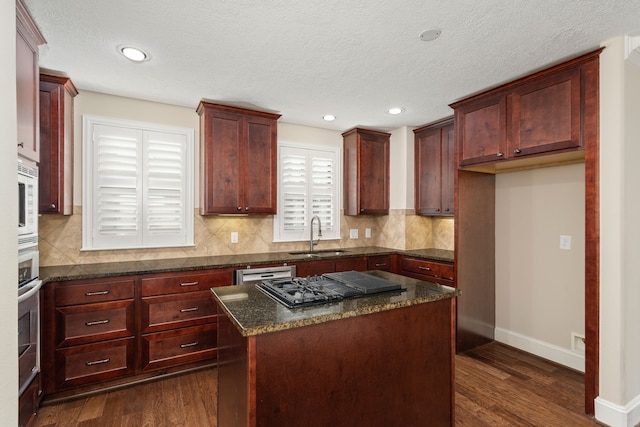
<point>387,368</point>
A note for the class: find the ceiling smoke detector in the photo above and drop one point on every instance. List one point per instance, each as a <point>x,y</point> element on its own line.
<point>428,35</point>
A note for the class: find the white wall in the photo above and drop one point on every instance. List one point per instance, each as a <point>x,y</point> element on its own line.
<point>619,400</point>
<point>401,158</point>
<point>8,231</point>
<point>99,104</point>
<point>540,287</point>
<point>401,169</point>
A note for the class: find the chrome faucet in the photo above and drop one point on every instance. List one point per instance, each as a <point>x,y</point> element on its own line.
<point>311,242</point>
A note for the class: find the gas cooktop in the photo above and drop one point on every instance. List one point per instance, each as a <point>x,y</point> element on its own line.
<point>330,287</point>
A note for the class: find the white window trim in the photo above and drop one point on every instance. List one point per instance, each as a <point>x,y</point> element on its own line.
<point>88,217</point>
<point>304,234</point>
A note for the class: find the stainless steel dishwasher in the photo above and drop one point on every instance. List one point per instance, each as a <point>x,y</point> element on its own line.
<point>257,275</point>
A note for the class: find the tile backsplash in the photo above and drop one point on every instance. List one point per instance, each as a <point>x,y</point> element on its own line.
<point>61,238</point>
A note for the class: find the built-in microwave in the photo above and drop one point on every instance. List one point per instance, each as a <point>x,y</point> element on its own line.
<point>27,205</point>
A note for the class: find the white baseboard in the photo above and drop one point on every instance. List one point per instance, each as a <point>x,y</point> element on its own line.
<point>618,416</point>
<point>542,349</point>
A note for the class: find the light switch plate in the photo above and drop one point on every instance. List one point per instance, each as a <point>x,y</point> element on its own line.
<point>367,233</point>
<point>353,233</point>
<point>234,237</point>
<point>565,242</point>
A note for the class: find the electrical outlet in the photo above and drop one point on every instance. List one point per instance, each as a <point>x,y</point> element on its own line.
<point>565,242</point>
<point>234,237</point>
<point>353,233</point>
<point>367,233</point>
<point>577,343</point>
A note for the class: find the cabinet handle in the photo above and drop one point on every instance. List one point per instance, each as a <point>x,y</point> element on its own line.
<point>21,145</point>
<point>239,208</point>
<point>191,344</point>
<point>97,322</point>
<point>382,264</point>
<point>247,208</point>
<point>499,154</point>
<point>98,362</point>
<point>447,210</point>
<point>424,268</point>
<point>187,310</point>
<point>93,294</point>
<point>189,284</point>
<point>52,206</point>
<point>517,151</point>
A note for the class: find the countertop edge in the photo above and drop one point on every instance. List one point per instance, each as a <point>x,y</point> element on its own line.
<point>59,273</point>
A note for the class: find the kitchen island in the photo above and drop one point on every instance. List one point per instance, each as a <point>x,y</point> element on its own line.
<point>381,360</point>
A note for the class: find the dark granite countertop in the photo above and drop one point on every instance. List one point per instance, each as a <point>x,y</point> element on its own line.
<point>112,269</point>
<point>254,313</point>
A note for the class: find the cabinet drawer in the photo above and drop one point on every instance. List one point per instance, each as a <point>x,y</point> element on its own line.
<point>175,311</point>
<point>163,284</point>
<point>86,292</point>
<point>94,363</point>
<point>82,324</point>
<point>428,268</point>
<point>358,264</point>
<point>379,262</point>
<point>177,347</point>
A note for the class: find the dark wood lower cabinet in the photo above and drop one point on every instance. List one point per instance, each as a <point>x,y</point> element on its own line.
<point>106,332</point>
<point>28,403</point>
<point>175,347</point>
<point>87,364</point>
<point>369,370</point>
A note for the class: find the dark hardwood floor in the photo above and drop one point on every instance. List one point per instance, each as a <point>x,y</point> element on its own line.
<point>496,385</point>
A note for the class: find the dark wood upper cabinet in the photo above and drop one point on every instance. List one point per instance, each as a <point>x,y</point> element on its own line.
<point>56,145</point>
<point>366,172</point>
<point>238,160</point>
<point>540,114</point>
<point>434,168</point>
<point>28,37</point>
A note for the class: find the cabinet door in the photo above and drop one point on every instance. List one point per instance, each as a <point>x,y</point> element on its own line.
<point>27,98</point>
<point>374,174</point>
<point>55,189</point>
<point>220,163</point>
<point>428,172</point>
<point>545,114</point>
<point>481,130</point>
<point>448,169</point>
<point>260,166</point>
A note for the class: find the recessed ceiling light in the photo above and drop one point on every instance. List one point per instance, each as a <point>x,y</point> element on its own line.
<point>428,35</point>
<point>134,54</point>
<point>395,110</point>
<point>329,117</point>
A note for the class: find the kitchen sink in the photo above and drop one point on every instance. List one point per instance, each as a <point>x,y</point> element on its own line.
<point>320,254</point>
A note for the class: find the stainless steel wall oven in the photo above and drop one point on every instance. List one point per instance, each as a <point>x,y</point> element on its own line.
<point>28,317</point>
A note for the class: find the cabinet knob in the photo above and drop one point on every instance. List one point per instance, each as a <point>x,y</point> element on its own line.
<point>517,151</point>
<point>52,206</point>
<point>447,210</point>
<point>247,208</point>
<point>239,208</point>
<point>21,144</point>
<point>499,154</point>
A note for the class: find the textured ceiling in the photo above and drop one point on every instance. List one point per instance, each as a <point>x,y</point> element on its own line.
<point>304,59</point>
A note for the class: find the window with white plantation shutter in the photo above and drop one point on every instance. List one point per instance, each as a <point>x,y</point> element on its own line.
<point>308,185</point>
<point>138,185</point>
